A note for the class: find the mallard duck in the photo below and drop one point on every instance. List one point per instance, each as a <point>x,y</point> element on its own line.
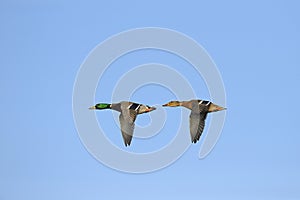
<point>128,112</point>
<point>199,110</point>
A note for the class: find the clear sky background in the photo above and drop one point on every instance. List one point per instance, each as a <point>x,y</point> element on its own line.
<point>255,45</point>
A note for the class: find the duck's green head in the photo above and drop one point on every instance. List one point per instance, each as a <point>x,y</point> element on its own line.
<point>100,106</point>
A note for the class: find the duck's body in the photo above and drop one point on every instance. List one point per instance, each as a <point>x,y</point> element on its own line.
<point>128,112</point>
<point>199,110</point>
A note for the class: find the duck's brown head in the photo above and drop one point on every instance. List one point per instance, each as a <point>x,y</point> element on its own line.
<point>215,108</point>
<point>173,104</point>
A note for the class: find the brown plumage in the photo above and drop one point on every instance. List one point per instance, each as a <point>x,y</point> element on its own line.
<point>199,110</point>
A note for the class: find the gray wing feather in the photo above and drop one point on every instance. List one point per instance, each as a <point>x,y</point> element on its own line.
<point>127,119</point>
<point>197,123</point>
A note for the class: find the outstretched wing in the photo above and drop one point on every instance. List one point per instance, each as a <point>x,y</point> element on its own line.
<point>197,123</point>
<point>127,119</point>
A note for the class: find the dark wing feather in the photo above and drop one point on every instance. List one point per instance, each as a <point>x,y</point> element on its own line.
<point>127,119</point>
<point>197,123</point>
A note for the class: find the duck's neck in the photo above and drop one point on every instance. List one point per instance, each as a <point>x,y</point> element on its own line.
<point>101,106</point>
<point>185,104</point>
<point>181,103</point>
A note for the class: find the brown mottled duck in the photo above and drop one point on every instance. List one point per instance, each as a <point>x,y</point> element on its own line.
<point>199,110</point>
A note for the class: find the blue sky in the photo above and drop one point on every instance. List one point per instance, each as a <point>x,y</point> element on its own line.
<point>255,46</point>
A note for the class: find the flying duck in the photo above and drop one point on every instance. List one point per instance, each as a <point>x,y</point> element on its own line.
<point>199,110</point>
<point>128,112</point>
